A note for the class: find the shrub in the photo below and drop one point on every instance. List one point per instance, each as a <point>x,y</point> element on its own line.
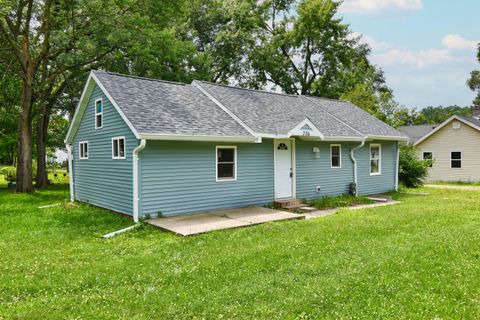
<point>10,174</point>
<point>412,170</point>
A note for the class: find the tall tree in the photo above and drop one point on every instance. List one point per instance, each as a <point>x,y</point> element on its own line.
<point>474,82</point>
<point>300,47</point>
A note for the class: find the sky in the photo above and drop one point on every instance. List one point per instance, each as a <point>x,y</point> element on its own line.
<point>426,48</point>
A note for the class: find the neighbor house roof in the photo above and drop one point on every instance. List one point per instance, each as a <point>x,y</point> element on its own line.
<point>420,133</point>
<point>415,133</point>
<point>156,109</point>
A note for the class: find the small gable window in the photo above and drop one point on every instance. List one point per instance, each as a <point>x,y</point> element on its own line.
<point>456,159</point>
<point>428,156</point>
<point>98,113</point>
<point>335,156</point>
<point>83,150</point>
<point>118,148</point>
<point>226,163</point>
<point>375,159</point>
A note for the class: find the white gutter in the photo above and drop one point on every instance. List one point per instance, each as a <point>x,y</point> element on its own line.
<point>352,156</point>
<point>397,167</point>
<point>136,198</point>
<point>70,172</point>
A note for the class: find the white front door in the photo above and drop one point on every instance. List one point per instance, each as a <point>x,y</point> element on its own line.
<point>283,169</point>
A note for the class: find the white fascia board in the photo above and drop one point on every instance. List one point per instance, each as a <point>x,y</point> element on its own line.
<point>296,131</point>
<point>160,136</point>
<point>334,138</point>
<point>87,91</point>
<point>391,138</point>
<point>443,124</point>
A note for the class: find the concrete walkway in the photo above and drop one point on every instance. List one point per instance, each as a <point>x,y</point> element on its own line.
<point>452,186</point>
<point>322,213</point>
<point>191,224</point>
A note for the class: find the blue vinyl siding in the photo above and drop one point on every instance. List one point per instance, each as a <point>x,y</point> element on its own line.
<point>368,184</point>
<point>180,177</point>
<point>100,180</point>
<point>312,171</point>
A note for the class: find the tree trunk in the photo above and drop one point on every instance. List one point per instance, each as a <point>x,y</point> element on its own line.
<point>42,127</point>
<point>24,166</point>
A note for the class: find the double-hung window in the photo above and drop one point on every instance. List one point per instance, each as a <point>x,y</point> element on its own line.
<point>226,163</point>
<point>375,159</point>
<point>455,159</point>
<point>98,113</point>
<point>428,156</point>
<point>118,148</point>
<point>83,150</point>
<point>335,156</point>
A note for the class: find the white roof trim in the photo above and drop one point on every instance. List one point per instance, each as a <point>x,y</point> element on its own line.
<point>315,132</point>
<point>218,103</point>
<point>87,92</point>
<point>181,137</point>
<point>443,124</point>
<point>392,138</point>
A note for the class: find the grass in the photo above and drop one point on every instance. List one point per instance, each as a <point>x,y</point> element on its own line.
<point>416,260</point>
<point>339,201</point>
<point>459,183</point>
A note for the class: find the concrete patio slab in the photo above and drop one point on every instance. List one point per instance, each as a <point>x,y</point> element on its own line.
<point>223,219</point>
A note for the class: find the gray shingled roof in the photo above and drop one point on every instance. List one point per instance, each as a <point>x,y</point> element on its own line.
<point>154,106</point>
<point>273,113</point>
<point>415,133</point>
<point>161,107</point>
<point>356,118</point>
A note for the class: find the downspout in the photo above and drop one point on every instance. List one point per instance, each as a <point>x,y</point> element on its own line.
<point>352,156</point>
<point>70,171</point>
<point>136,197</point>
<point>397,167</point>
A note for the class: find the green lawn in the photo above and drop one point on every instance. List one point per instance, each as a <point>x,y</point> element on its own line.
<point>419,259</point>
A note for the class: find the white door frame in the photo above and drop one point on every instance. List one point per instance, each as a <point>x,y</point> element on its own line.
<point>294,166</point>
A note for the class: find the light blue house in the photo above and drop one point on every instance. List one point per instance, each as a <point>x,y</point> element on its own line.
<point>147,147</point>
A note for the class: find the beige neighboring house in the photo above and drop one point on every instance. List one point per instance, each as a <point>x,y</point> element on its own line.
<point>454,146</point>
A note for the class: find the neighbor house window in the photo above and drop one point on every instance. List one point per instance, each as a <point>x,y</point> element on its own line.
<point>428,156</point>
<point>118,148</point>
<point>226,163</point>
<point>98,113</point>
<point>83,150</point>
<point>456,159</point>
<point>375,159</point>
<point>335,156</point>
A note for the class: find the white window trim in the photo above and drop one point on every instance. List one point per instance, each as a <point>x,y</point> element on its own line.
<point>118,144</point>
<point>379,159</point>
<point>234,164</point>
<point>339,154</point>
<point>423,157</point>
<point>461,160</point>
<point>80,150</point>
<point>98,113</point>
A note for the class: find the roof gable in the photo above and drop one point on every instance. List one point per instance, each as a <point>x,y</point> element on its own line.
<point>473,123</point>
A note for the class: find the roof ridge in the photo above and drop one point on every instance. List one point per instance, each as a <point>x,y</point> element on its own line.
<point>141,78</point>
<point>248,89</point>
<point>323,98</point>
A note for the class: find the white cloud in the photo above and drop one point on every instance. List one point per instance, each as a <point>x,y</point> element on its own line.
<point>422,58</point>
<point>454,41</point>
<point>370,6</point>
